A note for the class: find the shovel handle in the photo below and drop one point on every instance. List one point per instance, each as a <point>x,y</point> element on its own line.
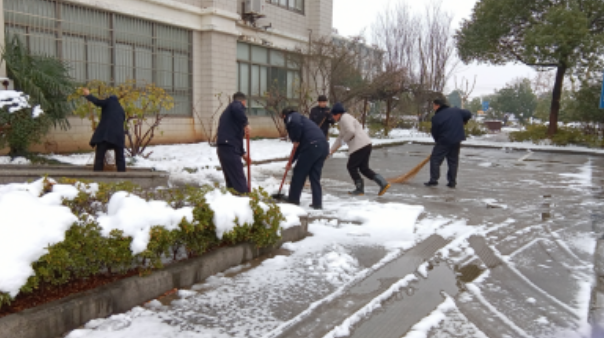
<point>291,158</point>
<point>249,165</point>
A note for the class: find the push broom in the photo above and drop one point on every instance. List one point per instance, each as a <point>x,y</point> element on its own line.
<point>411,174</point>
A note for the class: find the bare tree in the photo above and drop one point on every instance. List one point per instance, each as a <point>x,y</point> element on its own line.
<point>465,90</point>
<point>420,45</point>
<point>211,124</point>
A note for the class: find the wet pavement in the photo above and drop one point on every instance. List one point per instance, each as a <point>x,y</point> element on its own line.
<point>509,253</point>
<point>535,256</point>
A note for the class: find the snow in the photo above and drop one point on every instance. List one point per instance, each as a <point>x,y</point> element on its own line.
<point>433,320</point>
<point>15,161</point>
<point>344,329</point>
<point>583,179</point>
<point>292,214</point>
<point>135,217</point>
<point>229,211</point>
<point>17,101</point>
<point>29,225</point>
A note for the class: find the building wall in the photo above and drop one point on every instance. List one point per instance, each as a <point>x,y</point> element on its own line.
<point>216,27</point>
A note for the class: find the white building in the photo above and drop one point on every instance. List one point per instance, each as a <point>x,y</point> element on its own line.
<point>194,49</point>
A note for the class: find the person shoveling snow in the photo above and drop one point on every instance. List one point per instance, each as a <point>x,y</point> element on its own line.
<point>359,148</point>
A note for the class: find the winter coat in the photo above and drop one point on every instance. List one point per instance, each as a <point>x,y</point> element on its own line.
<point>322,117</point>
<point>352,133</point>
<point>448,125</point>
<point>111,126</point>
<point>231,127</point>
<point>301,129</point>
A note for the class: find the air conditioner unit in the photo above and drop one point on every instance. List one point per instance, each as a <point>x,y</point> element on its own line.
<point>254,6</point>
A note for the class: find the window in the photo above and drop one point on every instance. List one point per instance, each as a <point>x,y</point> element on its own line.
<point>100,45</point>
<point>292,5</point>
<point>262,69</point>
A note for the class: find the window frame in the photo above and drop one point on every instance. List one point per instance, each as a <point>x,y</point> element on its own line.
<point>89,42</point>
<point>288,6</point>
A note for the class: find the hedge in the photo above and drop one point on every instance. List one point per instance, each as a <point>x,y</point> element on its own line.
<point>85,253</point>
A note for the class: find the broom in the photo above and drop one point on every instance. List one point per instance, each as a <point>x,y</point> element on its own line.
<point>405,178</point>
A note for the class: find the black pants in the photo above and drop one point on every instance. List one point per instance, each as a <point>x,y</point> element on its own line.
<point>232,168</point>
<point>309,165</point>
<point>99,156</point>
<point>359,160</point>
<point>439,153</point>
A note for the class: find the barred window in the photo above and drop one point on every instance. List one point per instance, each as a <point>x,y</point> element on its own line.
<point>262,69</point>
<point>101,45</point>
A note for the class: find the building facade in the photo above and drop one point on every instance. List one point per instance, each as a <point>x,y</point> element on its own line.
<point>199,51</point>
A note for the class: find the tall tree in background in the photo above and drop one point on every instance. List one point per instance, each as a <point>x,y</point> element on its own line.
<point>475,105</point>
<point>455,99</point>
<point>559,34</point>
<point>517,98</point>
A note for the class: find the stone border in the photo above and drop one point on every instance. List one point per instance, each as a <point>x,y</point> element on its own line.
<point>56,318</point>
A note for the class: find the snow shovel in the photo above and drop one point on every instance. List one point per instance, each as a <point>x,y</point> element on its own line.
<point>249,165</point>
<point>405,178</point>
<point>279,195</point>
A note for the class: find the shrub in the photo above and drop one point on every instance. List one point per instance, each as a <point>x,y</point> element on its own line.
<point>21,123</point>
<point>144,105</point>
<point>537,133</point>
<point>85,252</point>
<point>46,81</point>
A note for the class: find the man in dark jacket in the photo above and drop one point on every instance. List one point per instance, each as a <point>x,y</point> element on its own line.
<point>448,133</point>
<point>109,134</point>
<point>309,157</point>
<point>232,127</point>
<point>321,115</point>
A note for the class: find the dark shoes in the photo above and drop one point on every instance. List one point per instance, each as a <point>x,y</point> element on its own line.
<point>384,185</point>
<point>431,184</point>
<point>316,207</point>
<point>451,185</point>
<point>360,188</point>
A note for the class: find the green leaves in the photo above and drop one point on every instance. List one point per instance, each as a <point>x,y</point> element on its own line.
<point>538,33</point>
<point>86,253</point>
<point>45,79</point>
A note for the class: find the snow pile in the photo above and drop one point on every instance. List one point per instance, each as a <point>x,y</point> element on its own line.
<point>29,225</point>
<point>17,101</point>
<point>229,211</point>
<point>337,266</point>
<point>292,214</point>
<point>135,217</point>
<point>394,221</point>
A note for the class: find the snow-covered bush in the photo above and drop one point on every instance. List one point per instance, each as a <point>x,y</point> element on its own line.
<point>538,133</point>
<point>21,123</point>
<point>112,229</point>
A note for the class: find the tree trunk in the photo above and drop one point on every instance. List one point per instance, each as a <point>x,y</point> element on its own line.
<point>364,113</point>
<point>556,96</point>
<point>388,108</point>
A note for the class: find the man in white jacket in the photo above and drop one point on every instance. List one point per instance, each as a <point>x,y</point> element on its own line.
<point>359,150</point>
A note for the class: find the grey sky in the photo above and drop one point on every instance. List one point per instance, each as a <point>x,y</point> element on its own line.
<point>353,16</point>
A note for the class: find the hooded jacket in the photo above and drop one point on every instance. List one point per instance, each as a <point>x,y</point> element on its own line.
<point>111,126</point>
<point>231,127</point>
<point>448,125</point>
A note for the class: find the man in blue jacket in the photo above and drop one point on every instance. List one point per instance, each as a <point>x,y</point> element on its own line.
<point>109,134</point>
<point>232,127</point>
<point>448,133</point>
<point>312,150</point>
